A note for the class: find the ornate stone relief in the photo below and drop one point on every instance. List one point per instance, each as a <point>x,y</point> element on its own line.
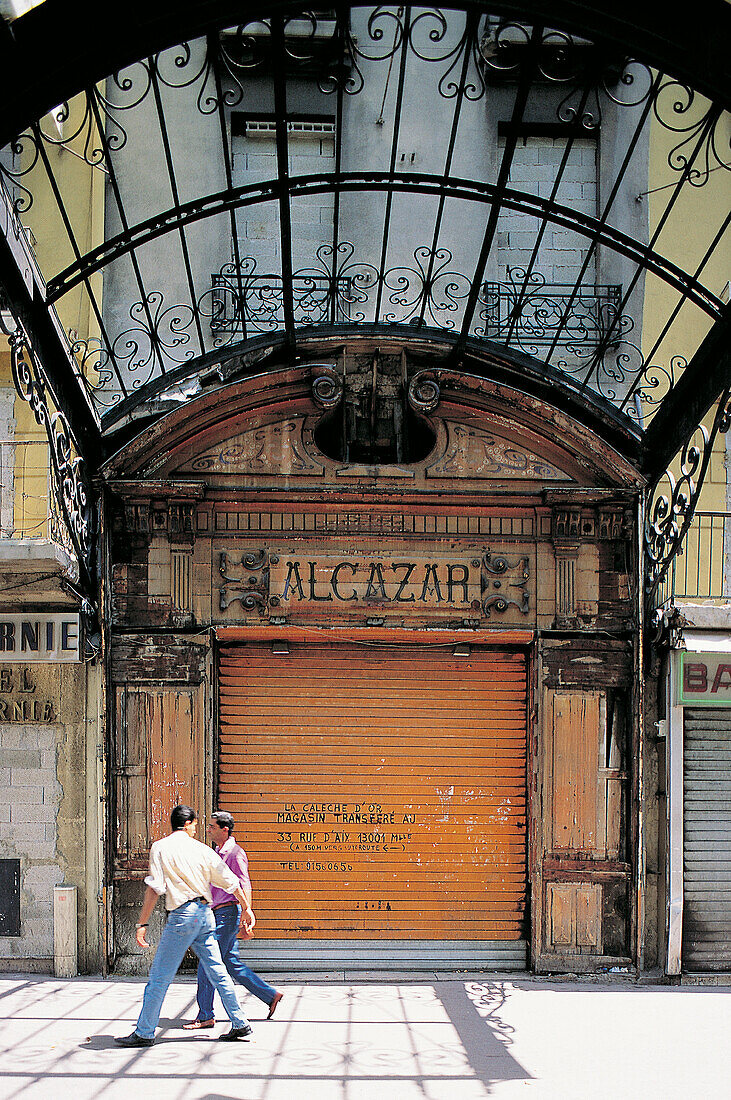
<point>578,532</point>
<point>504,584</point>
<point>321,579</point>
<point>245,580</point>
<point>424,392</point>
<point>287,448</point>
<point>265,450</point>
<point>474,453</point>
<point>327,386</point>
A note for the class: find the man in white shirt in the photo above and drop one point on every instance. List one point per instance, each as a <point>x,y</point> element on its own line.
<point>183,870</point>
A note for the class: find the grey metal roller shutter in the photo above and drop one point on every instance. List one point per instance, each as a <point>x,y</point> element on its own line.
<point>707,840</point>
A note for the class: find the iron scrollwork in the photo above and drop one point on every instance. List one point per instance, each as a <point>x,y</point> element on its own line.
<point>499,576</point>
<point>245,581</point>
<point>673,498</point>
<point>462,54</point>
<point>68,469</point>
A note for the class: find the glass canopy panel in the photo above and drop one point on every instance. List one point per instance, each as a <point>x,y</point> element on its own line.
<point>441,170</point>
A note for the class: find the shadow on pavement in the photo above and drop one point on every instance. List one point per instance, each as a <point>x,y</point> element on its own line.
<point>106,1042</point>
<point>99,1042</point>
<point>474,1010</point>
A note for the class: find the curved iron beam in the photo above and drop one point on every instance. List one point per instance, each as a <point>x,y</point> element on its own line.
<point>481,358</point>
<point>485,193</point>
<point>58,48</point>
<point>692,396</point>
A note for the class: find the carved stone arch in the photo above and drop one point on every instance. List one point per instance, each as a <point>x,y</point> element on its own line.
<point>269,418</point>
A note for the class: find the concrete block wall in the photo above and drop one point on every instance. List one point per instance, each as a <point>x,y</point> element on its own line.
<point>254,160</point>
<point>30,796</point>
<point>51,814</point>
<point>562,251</point>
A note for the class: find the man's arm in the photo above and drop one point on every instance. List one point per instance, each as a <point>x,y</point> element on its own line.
<point>240,868</point>
<point>248,920</point>
<point>148,905</point>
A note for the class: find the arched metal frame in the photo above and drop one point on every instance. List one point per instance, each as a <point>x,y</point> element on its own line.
<point>672,71</point>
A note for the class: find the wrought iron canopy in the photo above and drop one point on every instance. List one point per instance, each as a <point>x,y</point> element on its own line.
<point>519,176</point>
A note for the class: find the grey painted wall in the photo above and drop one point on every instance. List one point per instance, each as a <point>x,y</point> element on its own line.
<point>194,137</point>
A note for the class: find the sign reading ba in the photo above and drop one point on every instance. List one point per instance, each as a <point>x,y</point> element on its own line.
<point>705,679</point>
<point>50,638</point>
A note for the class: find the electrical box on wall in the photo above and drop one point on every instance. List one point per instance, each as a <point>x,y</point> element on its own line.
<point>9,897</point>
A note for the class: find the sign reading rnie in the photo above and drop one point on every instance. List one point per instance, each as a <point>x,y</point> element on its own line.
<point>50,638</point>
<point>705,679</point>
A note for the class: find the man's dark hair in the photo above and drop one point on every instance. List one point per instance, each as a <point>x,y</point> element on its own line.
<point>181,815</point>
<point>224,820</point>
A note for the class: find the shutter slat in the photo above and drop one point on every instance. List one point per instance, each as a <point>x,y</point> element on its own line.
<point>707,840</point>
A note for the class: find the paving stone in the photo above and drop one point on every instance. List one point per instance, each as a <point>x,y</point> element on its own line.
<point>478,1037</point>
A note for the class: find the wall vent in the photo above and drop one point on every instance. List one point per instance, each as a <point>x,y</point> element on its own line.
<point>296,128</point>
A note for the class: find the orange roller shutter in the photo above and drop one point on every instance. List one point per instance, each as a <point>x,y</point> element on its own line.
<point>379,792</point>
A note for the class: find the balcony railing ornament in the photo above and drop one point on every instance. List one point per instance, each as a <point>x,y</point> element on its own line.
<point>535,315</point>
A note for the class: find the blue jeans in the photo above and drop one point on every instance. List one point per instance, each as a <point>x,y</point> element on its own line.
<point>227,923</point>
<point>190,925</point>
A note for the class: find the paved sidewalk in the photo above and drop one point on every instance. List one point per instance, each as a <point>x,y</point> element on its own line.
<point>450,1039</point>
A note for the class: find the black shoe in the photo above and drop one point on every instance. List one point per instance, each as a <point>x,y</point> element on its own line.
<point>236,1033</point>
<point>133,1040</point>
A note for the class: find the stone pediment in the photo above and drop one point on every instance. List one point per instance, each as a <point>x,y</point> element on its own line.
<point>472,452</point>
<point>287,449</point>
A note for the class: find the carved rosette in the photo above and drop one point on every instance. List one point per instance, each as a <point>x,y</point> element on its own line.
<point>245,581</point>
<point>504,584</point>
<point>327,387</point>
<point>424,392</point>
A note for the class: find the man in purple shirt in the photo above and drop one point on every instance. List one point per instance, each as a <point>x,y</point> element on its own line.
<point>227,913</point>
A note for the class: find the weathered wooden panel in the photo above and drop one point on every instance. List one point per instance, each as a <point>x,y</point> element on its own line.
<point>575,724</point>
<point>574,917</point>
<point>383,791</point>
<point>176,762</point>
<point>585,789</point>
<point>160,761</point>
<point>585,776</point>
<point>560,897</point>
<point>588,916</point>
<point>173,659</point>
<point>589,663</point>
